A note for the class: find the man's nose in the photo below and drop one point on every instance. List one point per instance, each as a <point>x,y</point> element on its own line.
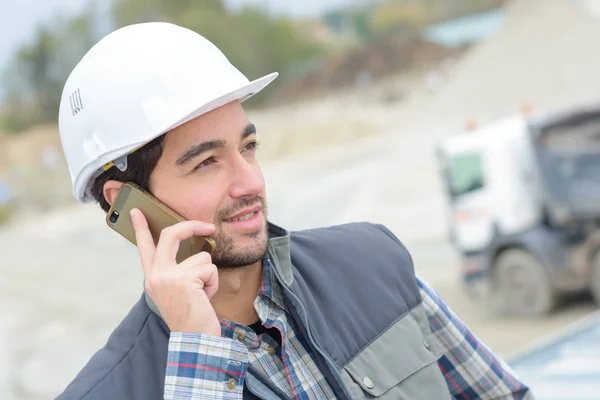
<point>247,181</point>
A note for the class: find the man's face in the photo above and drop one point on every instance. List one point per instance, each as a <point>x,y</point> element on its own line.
<point>208,172</point>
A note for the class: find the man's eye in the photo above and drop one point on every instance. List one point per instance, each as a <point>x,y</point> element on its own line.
<point>205,163</point>
<point>251,146</point>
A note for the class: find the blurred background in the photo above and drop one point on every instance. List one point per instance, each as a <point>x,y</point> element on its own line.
<point>386,111</point>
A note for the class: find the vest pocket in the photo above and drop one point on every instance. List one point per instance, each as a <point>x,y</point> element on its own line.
<point>399,364</point>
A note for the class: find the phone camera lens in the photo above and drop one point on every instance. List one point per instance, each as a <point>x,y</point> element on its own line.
<point>114,217</point>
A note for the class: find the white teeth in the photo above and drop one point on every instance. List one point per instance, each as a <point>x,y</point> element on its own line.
<point>245,217</point>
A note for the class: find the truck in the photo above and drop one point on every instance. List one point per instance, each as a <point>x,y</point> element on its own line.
<point>523,196</point>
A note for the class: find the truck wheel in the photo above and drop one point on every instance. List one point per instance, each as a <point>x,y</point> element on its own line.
<point>595,279</point>
<point>521,286</point>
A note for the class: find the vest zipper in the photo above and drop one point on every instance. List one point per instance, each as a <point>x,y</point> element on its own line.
<point>332,366</point>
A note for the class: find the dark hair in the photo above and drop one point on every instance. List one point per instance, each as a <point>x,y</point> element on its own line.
<point>140,165</point>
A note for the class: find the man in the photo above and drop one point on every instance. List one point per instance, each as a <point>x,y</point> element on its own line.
<point>319,314</point>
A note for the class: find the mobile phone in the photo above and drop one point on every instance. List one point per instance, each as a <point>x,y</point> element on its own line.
<point>159,217</point>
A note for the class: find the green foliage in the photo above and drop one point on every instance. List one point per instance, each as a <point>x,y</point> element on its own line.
<point>127,12</point>
<point>254,42</point>
<point>35,79</point>
<point>7,211</point>
<point>336,20</point>
<point>361,24</point>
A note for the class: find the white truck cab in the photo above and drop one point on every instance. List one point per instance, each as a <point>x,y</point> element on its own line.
<point>512,212</point>
<point>491,181</point>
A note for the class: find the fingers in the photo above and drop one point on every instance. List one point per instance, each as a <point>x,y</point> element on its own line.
<point>198,259</point>
<point>171,237</point>
<point>202,268</point>
<point>143,237</point>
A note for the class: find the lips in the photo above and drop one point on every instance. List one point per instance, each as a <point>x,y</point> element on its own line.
<point>245,215</point>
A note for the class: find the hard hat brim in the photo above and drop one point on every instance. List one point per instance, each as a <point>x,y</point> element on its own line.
<point>242,94</point>
<point>89,173</point>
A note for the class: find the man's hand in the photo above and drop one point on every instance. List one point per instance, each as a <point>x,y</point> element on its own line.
<point>182,292</point>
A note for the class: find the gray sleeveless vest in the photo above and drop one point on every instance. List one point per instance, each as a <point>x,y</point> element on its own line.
<point>353,293</point>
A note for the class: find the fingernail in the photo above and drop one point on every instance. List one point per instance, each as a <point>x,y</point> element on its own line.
<point>132,214</point>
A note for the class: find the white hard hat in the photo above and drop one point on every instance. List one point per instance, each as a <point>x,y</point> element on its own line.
<point>136,84</point>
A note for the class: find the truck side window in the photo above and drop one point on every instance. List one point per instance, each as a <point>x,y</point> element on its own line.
<point>465,174</point>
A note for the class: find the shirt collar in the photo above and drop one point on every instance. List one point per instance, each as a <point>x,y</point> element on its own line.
<point>270,287</point>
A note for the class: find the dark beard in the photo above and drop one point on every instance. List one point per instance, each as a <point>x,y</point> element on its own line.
<point>227,255</point>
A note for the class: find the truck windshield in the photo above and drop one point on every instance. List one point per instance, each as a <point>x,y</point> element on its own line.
<point>573,135</point>
<point>464,174</point>
<point>569,156</point>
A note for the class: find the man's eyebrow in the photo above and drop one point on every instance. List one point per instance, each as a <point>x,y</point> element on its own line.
<point>198,149</point>
<point>248,130</point>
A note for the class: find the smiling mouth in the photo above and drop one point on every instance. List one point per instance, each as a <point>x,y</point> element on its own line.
<point>245,217</point>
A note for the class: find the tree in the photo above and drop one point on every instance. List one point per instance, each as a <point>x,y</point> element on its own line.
<point>258,45</point>
<point>36,77</point>
<point>127,12</point>
<point>253,41</point>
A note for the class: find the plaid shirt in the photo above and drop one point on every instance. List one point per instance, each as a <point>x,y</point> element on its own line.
<point>207,367</point>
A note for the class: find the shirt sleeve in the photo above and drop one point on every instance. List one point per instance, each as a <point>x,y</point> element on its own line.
<point>204,367</point>
<point>471,370</point>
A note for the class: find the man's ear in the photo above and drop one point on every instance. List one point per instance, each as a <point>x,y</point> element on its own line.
<point>111,190</point>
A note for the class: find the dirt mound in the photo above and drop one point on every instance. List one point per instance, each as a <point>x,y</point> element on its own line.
<point>543,54</point>
<point>390,55</point>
